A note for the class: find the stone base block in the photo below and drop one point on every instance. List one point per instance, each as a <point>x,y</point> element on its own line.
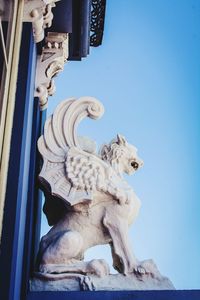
<point>113,282</point>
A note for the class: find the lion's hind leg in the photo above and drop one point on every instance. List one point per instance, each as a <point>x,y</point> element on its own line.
<point>61,248</point>
<point>64,255</point>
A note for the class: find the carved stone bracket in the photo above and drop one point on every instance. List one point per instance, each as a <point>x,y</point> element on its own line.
<point>39,13</point>
<point>49,64</point>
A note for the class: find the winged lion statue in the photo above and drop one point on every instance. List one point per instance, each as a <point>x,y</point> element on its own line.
<point>88,202</point>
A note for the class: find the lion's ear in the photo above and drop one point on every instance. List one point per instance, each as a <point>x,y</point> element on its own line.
<point>121,140</point>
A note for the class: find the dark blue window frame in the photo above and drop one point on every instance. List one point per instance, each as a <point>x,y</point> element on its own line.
<point>22,199</point>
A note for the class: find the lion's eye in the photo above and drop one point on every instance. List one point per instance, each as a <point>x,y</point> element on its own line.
<point>135,165</point>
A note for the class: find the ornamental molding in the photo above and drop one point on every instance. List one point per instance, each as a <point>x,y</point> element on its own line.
<point>39,12</point>
<point>49,64</point>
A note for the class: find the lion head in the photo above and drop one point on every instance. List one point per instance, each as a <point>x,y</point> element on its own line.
<point>121,156</point>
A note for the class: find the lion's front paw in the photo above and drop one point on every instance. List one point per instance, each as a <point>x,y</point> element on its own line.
<point>139,270</point>
<point>146,267</point>
<point>98,267</point>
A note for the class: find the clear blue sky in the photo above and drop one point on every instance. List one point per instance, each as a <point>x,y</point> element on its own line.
<point>147,75</point>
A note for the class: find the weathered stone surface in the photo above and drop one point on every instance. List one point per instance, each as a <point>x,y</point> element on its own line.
<point>116,282</point>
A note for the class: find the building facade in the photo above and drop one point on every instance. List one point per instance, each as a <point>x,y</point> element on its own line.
<point>37,38</point>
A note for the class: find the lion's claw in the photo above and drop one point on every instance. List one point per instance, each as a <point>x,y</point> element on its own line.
<point>139,270</point>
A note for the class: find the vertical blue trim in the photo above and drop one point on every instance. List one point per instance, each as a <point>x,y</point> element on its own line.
<point>25,164</point>
<point>13,234</point>
<point>34,201</point>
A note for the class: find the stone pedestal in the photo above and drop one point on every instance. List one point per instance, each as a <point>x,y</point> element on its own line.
<point>115,282</point>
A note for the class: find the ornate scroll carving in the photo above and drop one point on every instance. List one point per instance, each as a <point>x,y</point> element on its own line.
<point>49,64</point>
<point>39,12</point>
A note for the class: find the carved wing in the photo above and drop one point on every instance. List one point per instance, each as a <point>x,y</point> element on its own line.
<point>84,171</point>
<point>70,167</point>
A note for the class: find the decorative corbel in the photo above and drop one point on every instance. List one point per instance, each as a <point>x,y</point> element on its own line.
<point>49,64</point>
<point>39,13</point>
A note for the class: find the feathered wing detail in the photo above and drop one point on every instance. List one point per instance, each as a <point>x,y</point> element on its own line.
<point>89,173</point>
<point>85,171</point>
<point>57,142</point>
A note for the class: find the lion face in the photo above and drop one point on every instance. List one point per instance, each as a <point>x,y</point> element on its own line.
<point>121,156</point>
<point>130,161</point>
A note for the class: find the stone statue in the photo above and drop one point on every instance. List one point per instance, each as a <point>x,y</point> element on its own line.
<point>96,205</point>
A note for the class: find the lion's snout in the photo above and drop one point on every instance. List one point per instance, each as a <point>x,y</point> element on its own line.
<point>135,165</point>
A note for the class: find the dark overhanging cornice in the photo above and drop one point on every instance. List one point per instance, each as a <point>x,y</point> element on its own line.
<point>83,20</point>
